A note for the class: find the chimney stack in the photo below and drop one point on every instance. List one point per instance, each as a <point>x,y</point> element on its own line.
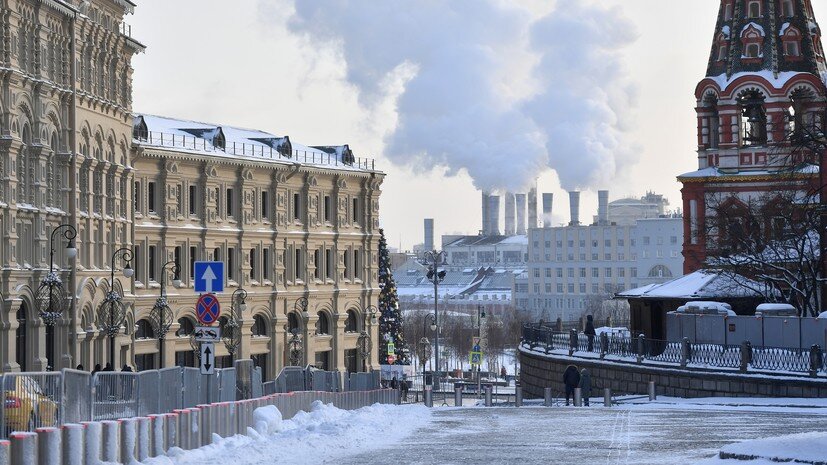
<point>520,198</point>
<point>547,203</point>
<point>510,212</point>
<point>574,203</point>
<point>603,208</point>
<point>429,234</point>
<point>486,221</point>
<point>494,215</point>
<point>532,208</point>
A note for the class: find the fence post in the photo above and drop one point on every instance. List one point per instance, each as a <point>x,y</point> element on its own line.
<point>746,355</point>
<point>607,397</point>
<point>686,350</point>
<point>641,347</point>
<point>815,360</point>
<point>547,397</point>
<point>604,345</point>
<point>572,341</point>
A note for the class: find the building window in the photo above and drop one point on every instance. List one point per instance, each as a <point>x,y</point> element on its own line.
<point>265,263</point>
<point>791,49</point>
<point>230,205</point>
<point>571,272</point>
<point>136,197</point>
<point>296,207</point>
<point>216,254</point>
<point>193,199</point>
<point>548,272</point>
<point>297,264</point>
<point>193,257</point>
<point>259,328</point>
<point>351,325</point>
<point>357,264</point>
<point>582,288</point>
<point>139,263</point>
<point>753,119</point>
<point>322,324</point>
<point>150,194</point>
<point>151,262</point>
<point>559,288</point>
<point>559,272</point>
<point>755,9</point>
<point>328,209</point>
<point>723,51</point>
<point>329,267</point>
<point>144,330</point>
<point>185,327</point>
<point>787,8</point>
<point>355,211</point>
<point>608,272</point>
<point>317,260</point>
<point>265,204</point>
<point>728,11</point>
<point>595,273</point>
<point>230,263</point>
<point>253,265</point>
<point>177,257</point>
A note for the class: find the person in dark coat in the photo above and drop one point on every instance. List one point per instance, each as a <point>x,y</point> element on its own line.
<point>108,367</point>
<point>394,383</point>
<point>126,383</point>
<point>585,385</point>
<point>79,368</point>
<point>590,332</point>
<point>571,378</point>
<point>97,368</point>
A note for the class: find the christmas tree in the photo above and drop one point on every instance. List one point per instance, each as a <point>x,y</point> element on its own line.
<point>390,316</point>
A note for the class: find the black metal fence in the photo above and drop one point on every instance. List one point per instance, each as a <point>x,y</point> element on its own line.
<point>640,349</point>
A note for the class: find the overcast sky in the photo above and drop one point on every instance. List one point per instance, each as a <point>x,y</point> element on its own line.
<point>393,82</point>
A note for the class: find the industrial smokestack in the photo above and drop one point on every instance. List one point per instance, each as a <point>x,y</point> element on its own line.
<point>486,220</point>
<point>532,208</point>
<point>574,203</point>
<point>603,207</point>
<point>510,213</point>
<point>429,234</point>
<point>547,203</point>
<point>520,198</point>
<point>494,214</point>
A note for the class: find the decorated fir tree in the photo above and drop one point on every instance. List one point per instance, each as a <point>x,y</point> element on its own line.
<point>390,316</point>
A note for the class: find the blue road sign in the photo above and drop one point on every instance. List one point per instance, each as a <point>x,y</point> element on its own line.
<point>209,277</point>
<point>207,309</point>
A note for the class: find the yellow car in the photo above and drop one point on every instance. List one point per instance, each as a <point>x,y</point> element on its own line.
<point>26,406</point>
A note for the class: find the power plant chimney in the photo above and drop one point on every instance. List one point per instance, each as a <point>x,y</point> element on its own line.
<point>520,198</point>
<point>510,213</point>
<point>494,214</point>
<point>486,220</point>
<point>603,208</point>
<point>532,208</point>
<point>547,202</point>
<point>429,234</point>
<point>574,203</point>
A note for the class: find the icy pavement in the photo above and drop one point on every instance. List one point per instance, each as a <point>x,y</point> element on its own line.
<point>640,435</point>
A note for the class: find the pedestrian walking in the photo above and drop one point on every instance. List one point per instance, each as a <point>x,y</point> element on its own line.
<point>126,383</point>
<point>404,386</point>
<point>585,385</point>
<point>394,383</point>
<point>79,368</point>
<point>571,378</point>
<point>590,332</point>
<point>97,368</point>
<point>503,373</point>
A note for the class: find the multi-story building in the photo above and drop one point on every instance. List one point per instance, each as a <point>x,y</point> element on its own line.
<point>290,222</point>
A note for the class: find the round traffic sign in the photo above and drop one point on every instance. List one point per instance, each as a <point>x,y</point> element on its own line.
<point>207,309</point>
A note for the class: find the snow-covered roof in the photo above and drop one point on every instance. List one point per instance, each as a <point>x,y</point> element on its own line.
<point>701,284</point>
<point>234,142</point>
<point>715,172</point>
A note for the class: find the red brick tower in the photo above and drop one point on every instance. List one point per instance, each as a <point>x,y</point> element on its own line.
<point>764,84</point>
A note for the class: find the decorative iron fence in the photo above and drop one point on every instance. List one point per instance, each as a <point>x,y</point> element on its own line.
<point>639,349</point>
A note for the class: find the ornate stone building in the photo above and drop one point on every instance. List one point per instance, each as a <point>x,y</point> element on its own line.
<point>289,221</point>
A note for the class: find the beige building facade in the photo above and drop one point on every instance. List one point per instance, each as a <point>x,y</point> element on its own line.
<point>289,221</point>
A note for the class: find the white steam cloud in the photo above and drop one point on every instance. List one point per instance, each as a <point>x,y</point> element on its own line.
<point>483,86</point>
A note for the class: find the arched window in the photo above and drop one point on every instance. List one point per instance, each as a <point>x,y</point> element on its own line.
<point>20,338</point>
<point>753,119</point>
<point>728,11</point>
<point>352,322</point>
<point>787,8</point>
<point>144,330</point>
<point>791,38</point>
<point>660,271</point>
<point>752,38</point>
<point>754,10</point>
<point>185,327</point>
<point>293,322</point>
<point>712,123</point>
<point>323,324</point>
<point>259,326</point>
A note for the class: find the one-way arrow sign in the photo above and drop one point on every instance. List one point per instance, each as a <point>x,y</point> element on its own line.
<point>207,358</point>
<point>209,277</point>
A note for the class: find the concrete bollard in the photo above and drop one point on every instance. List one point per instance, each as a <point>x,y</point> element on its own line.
<point>171,437</point>
<point>518,396</point>
<point>205,425</point>
<point>488,400</point>
<point>607,397</point>
<point>5,452</point>
<point>129,438</point>
<point>652,394</point>
<point>578,397</point>
<point>183,437</point>
<point>457,396</point>
<point>92,439</point>
<point>192,428</point>
<point>547,397</point>
<point>241,417</point>
<point>143,446</point>
<point>72,443</point>
<point>157,440</point>
<point>48,446</point>
<point>109,441</point>
<point>429,397</point>
<point>23,448</point>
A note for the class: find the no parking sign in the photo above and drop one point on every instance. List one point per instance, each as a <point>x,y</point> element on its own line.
<point>207,309</point>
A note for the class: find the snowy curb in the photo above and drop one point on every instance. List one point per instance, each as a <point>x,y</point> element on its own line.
<point>807,448</point>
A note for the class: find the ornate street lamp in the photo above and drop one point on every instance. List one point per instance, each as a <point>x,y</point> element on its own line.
<point>295,344</point>
<point>231,334</point>
<point>160,317</point>
<point>51,298</point>
<point>434,260</point>
<point>112,312</point>
<point>425,353</point>
<point>364,342</point>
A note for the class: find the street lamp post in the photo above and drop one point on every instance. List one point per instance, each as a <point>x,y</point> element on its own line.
<point>51,295</point>
<point>111,313</point>
<point>295,343</point>
<point>364,341</point>
<point>231,334</point>
<point>426,345</point>
<point>161,315</point>
<point>479,323</point>
<point>433,260</point>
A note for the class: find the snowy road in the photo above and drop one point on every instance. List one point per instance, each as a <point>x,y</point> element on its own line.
<point>562,436</point>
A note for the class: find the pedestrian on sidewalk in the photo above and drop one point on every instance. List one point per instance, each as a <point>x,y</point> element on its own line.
<point>571,378</point>
<point>585,385</point>
<point>590,332</point>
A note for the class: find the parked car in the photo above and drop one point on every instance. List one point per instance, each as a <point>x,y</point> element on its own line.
<point>26,406</point>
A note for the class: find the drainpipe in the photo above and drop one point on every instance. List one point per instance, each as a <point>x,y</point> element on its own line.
<point>73,317</point>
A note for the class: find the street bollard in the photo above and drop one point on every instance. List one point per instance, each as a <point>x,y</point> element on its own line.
<point>129,438</point>
<point>143,444</point>
<point>92,441</point>
<point>72,443</point>
<point>686,352</point>
<point>48,445</point>
<point>171,437</point>
<point>109,441</point>
<point>488,400</point>
<point>578,397</point>
<point>23,448</point>
<point>652,394</point>
<point>641,347</point>
<point>156,435</point>
<point>205,426</point>
<point>193,431</point>
<point>429,397</point>
<point>458,396</point>
<point>183,437</point>
<point>5,452</point>
<point>518,396</point>
<point>816,360</point>
<point>547,397</point>
<point>607,397</point>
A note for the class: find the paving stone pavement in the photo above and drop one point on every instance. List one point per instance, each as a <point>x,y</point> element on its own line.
<point>585,436</point>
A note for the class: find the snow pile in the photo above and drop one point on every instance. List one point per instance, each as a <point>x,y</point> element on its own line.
<point>810,448</point>
<point>326,433</point>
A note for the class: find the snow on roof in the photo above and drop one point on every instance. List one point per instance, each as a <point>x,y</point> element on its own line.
<point>755,25</point>
<point>234,142</point>
<point>700,284</point>
<point>777,82</point>
<point>726,31</point>
<point>714,172</point>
